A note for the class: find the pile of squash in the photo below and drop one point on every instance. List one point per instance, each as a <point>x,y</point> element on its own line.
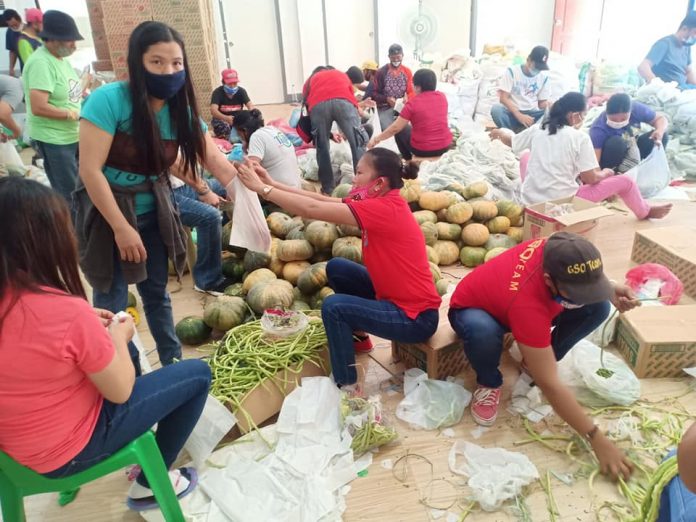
<point>458,224</point>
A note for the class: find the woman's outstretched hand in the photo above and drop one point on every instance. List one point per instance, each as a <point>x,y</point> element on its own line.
<point>248,176</point>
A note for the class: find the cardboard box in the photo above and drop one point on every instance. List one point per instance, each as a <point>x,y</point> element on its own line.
<point>658,341</point>
<point>537,223</point>
<point>265,400</point>
<point>673,247</point>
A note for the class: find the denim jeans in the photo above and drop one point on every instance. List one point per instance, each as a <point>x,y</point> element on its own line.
<point>60,164</point>
<point>171,397</point>
<point>483,336</point>
<point>504,119</point>
<point>387,116</point>
<point>153,291</point>
<point>207,220</point>
<point>615,149</point>
<point>677,503</point>
<point>354,307</point>
<point>346,116</point>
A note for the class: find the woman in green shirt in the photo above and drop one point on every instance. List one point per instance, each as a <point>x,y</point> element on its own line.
<point>131,134</point>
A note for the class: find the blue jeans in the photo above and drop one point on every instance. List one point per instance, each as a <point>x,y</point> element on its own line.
<point>483,336</point>
<point>153,291</point>
<point>387,116</point>
<point>677,504</point>
<point>171,397</point>
<point>207,220</point>
<point>504,119</point>
<point>354,307</point>
<point>60,164</point>
<point>346,116</point>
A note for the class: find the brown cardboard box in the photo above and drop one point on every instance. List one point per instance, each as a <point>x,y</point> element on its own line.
<point>265,400</point>
<point>673,247</point>
<point>658,341</point>
<point>537,223</point>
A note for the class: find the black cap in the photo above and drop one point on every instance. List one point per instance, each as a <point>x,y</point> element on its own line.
<point>540,55</point>
<point>575,265</point>
<point>60,26</point>
<point>395,49</point>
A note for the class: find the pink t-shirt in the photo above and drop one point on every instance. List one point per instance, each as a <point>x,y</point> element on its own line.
<point>427,113</point>
<point>48,405</point>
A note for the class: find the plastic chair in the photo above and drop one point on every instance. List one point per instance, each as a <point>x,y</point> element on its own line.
<point>17,481</point>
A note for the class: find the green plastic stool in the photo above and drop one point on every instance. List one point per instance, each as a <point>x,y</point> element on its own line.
<point>17,481</point>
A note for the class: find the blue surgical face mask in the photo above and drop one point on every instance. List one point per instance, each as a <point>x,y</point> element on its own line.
<point>566,303</point>
<point>164,86</point>
<point>690,41</point>
<point>230,90</point>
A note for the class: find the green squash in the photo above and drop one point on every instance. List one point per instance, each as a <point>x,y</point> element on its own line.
<point>225,312</point>
<point>192,330</point>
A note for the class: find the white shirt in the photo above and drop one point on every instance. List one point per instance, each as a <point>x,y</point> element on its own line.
<point>555,162</point>
<point>277,155</point>
<point>525,91</point>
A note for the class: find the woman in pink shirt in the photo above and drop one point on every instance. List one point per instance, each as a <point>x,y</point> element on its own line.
<point>69,397</point>
<point>427,113</point>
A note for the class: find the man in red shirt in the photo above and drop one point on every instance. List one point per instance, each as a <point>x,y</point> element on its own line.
<point>557,282</point>
<point>329,96</point>
<point>392,82</point>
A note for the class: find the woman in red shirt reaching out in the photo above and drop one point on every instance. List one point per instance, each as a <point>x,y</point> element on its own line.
<point>393,294</point>
<point>427,112</point>
<point>557,282</point>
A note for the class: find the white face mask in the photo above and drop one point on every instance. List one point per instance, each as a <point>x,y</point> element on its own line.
<point>618,124</point>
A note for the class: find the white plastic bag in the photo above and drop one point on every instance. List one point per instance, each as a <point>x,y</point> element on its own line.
<point>249,228</point>
<point>652,174</point>
<point>213,424</point>
<point>9,155</point>
<point>429,403</point>
<point>377,130</point>
<point>578,370</point>
<point>495,475</point>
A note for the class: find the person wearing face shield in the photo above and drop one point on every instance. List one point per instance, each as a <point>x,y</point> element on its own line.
<point>549,293</point>
<point>390,83</point>
<point>562,162</point>
<point>616,134</point>
<point>523,91</point>
<point>227,100</point>
<point>14,24</point>
<point>670,57</point>
<point>53,95</point>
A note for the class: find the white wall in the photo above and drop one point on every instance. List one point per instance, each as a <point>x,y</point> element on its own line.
<point>292,50</point>
<point>350,30</point>
<point>521,23</point>
<point>311,30</point>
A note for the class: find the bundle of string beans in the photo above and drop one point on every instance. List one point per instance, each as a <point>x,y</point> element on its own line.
<point>247,357</point>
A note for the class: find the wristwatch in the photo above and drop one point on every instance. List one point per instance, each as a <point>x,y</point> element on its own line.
<point>266,190</point>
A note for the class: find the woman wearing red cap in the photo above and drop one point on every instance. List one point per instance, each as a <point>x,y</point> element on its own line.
<point>29,40</point>
<point>226,101</point>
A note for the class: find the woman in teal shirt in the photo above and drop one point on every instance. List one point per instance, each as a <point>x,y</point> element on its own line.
<point>131,134</point>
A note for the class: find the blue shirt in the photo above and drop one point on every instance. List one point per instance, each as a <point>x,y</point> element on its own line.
<point>600,132</point>
<point>670,58</point>
<point>110,108</point>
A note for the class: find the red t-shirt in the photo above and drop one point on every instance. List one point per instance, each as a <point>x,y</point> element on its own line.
<point>511,288</point>
<point>394,253</point>
<point>48,405</point>
<point>427,113</point>
<point>329,85</point>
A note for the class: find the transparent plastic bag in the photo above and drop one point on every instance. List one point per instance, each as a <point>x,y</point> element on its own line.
<point>495,475</point>
<point>365,423</point>
<point>669,287</point>
<point>249,228</point>
<point>213,424</point>
<point>652,174</point>
<point>431,404</point>
<point>283,323</point>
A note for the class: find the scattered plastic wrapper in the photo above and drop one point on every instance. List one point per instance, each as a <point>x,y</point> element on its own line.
<point>214,423</point>
<point>495,475</point>
<point>527,400</point>
<point>448,432</point>
<point>431,404</point>
<point>691,371</point>
<point>478,431</point>
<point>596,385</point>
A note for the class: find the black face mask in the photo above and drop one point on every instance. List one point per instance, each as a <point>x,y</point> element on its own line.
<point>164,86</point>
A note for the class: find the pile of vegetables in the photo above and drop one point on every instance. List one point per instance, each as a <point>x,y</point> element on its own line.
<point>246,357</point>
<point>458,225</point>
<point>365,423</point>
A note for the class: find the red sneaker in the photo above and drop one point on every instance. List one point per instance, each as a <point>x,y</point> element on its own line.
<point>484,406</point>
<point>362,343</point>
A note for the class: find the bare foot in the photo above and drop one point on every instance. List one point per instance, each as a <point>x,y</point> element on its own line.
<point>659,211</point>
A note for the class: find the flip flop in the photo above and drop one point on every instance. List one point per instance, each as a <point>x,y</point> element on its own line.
<point>146,503</point>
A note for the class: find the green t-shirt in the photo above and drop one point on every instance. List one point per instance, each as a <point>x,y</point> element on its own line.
<point>45,72</point>
<point>110,108</point>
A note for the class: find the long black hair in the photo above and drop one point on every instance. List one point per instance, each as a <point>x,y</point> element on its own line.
<point>390,165</point>
<point>569,102</point>
<point>183,110</point>
<point>248,121</point>
<point>38,247</point>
